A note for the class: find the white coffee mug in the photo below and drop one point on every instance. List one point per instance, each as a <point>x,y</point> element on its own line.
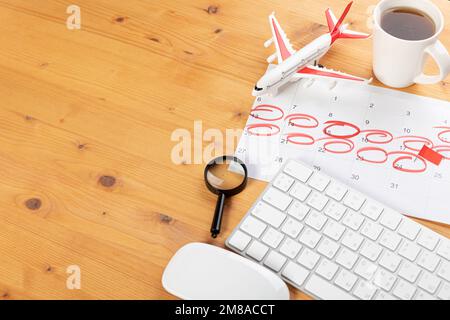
<point>399,63</point>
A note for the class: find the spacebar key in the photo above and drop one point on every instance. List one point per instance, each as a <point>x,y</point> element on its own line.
<point>326,291</point>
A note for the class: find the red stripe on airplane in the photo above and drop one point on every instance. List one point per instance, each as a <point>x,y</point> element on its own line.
<point>330,21</point>
<point>283,49</point>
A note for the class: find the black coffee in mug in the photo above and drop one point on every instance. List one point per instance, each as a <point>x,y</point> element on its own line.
<point>407,24</point>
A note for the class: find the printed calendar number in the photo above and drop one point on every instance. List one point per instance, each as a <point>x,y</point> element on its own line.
<point>393,185</point>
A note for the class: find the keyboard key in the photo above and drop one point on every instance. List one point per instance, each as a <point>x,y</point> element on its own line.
<point>326,291</point>
<point>428,260</point>
<point>384,279</point>
<point>409,229</point>
<point>371,250</point>
<point>290,248</point>
<point>257,250</point>
<point>334,230</point>
<point>372,210</point>
<point>390,261</point>
<point>239,240</point>
<point>253,226</point>
<point>316,220</point>
<point>308,258</point>
<point>352,240</point>
<point>298,171</point>
<point>310,238</point>
<point>444,249</point>
<point>335,210</point>
<point>354,200</point>
<point>365,269</point>
<point>283,182</point>
<point>328,248</point>
<point>444,270</point>
<point>409,250</point>
<point>390,219</point>
<point>277,198</point>
<point>298,210</point>
<point>346,258</point>
<point>327,269</point>
<point>353,220</point>
<point>317,201</point>
<point>268,214</point>
<point>429,282</point>
<point>404,290</point>
<point>300,191</point>
<point>319,181</point>
<point>428,239</point>
<point>292,227</point>
<point>336,191</point>
<point>390,240</point>
<point>371,230</point>
<point>295,273</point>
<point>444,292</point>
<point>409,271</point>
<point>275,261</point>
<point>272,238</point>
<point>422,295</point>
<point>346,280</point>
<point>365,290</point>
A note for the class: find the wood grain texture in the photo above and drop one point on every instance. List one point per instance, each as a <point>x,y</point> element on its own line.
<point>86,122</point>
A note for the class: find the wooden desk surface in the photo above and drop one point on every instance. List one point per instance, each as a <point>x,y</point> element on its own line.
<point>86,122</point>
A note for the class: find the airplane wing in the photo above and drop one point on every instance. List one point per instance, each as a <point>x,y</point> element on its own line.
<point>282,43</point>
<point>313,71</point>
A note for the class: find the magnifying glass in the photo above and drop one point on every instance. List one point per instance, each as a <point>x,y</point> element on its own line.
<point>225,176</point>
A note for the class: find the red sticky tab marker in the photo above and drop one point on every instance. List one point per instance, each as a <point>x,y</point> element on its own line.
<point>430,155</point>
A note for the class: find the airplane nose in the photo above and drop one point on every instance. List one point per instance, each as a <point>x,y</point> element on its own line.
<point>256,93</point>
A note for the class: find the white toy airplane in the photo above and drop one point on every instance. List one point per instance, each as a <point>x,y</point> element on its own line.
<point>294,65</point>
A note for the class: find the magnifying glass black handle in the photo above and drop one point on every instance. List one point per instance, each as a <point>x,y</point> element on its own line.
<point>218,213</point>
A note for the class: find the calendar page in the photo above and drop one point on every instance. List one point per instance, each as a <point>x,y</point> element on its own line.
<point>365,136</point>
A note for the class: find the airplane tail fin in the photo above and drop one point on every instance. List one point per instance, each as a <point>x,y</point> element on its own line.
<point>339,31</point>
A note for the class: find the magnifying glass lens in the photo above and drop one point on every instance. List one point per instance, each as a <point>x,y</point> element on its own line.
<point>226,175</point>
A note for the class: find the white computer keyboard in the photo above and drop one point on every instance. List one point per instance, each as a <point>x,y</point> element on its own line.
<point>332,242</point>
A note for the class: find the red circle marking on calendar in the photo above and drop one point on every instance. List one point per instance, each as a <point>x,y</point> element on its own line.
<point>251,129</point>
<point>333,141</point>
<point>407,156</point>
<point>334,123</point>
<point>415,139</point>
<point>292,136</point>
<point>300,116</point>
<point>369,149</point>
<point>440,134</point>
<point>380,133</point>
<point>268,108</point>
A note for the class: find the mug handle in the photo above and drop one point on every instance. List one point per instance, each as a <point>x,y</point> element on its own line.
<point>438,52</point>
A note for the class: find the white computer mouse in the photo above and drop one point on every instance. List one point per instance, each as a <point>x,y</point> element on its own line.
<point>202,271</point>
